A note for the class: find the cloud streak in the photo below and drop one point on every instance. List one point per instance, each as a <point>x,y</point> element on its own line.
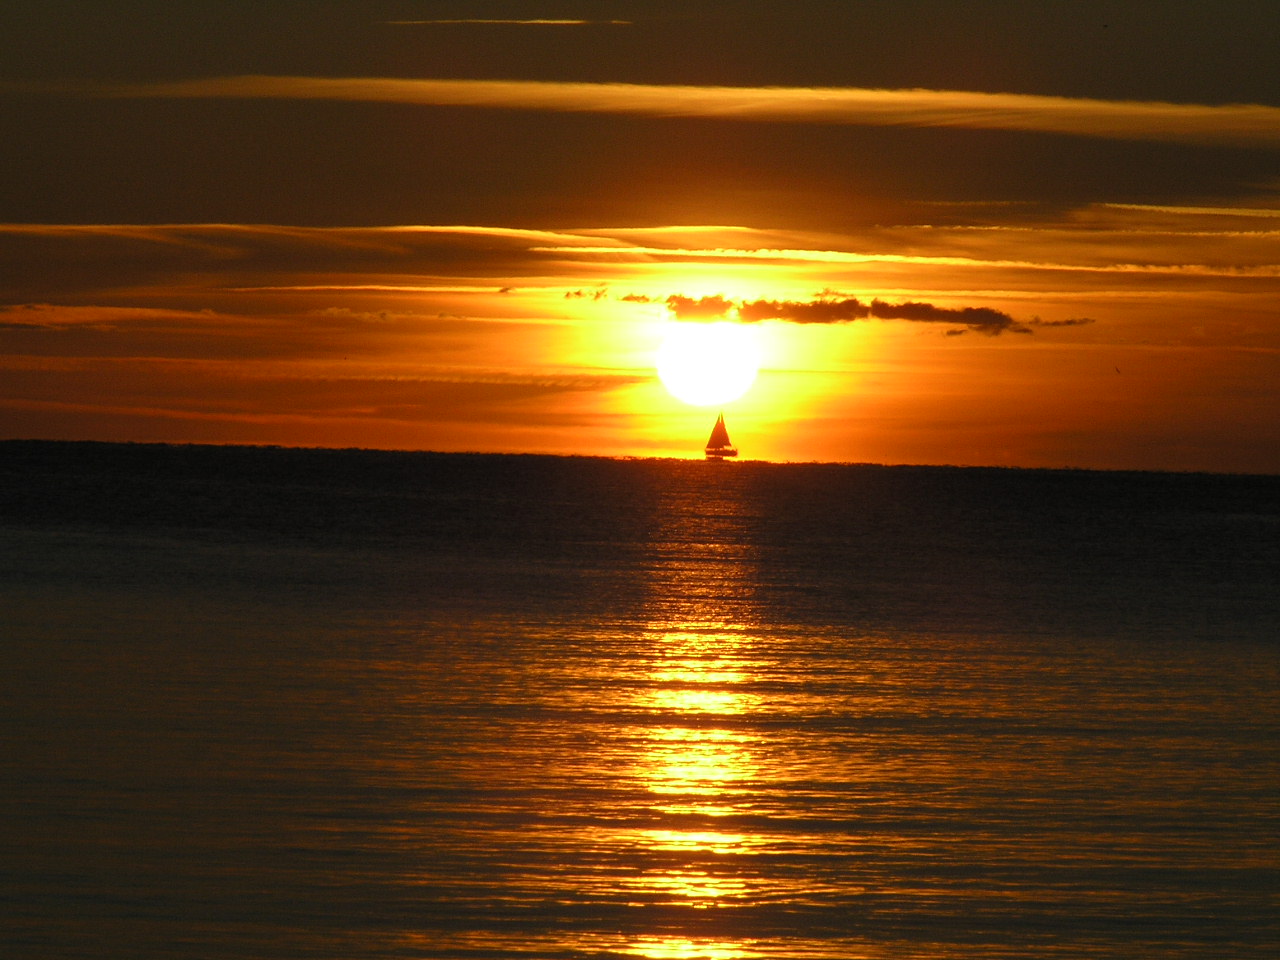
<point>823,310</point>
<point>1238,124</point>
<point>815,256</point>
<point>538,22</point>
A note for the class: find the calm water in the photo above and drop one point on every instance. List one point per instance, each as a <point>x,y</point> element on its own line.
<point>273,703</point>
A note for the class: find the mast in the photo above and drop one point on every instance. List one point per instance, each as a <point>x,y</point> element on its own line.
<point>719,445</point>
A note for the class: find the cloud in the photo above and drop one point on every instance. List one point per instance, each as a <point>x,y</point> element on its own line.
<point>835,309</point>
<point>1072,322</point>
<point>48,316</point>
<point>63,262</point>
<point>713,307</point>
<point>1239,124</point>
<point>705,308</point>
<point>1262,212</point>
<point>825,310</point>
<point>811,311</point>
<point>542,22</point>
<point>983,319</point>
<point>642,254</point>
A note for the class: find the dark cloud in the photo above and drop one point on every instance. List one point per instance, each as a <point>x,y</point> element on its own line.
<point>1071,322</point>
<point>983,319</point>
<point>837,309</point>
<point>843,310</point>
<point>705,308</point>
<point>812,311</point>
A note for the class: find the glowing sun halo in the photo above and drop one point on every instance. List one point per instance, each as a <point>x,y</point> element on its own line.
<point>707,364</point>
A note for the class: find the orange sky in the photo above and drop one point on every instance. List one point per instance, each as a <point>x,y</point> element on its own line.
<point>1027,264</point>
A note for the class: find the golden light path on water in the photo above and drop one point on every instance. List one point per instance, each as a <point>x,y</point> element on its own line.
<point>694,772</point>
<point>701,765</point>
<point>675,837</point>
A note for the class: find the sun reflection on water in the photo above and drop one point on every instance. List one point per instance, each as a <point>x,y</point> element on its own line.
<point>699,760</point>
<point>694,764</point>
<point>681,948</point>
<point>679,851</point>
<point>698,701</point>
<point>698,765</point>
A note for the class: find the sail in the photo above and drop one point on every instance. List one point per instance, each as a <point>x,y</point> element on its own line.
<point>719,445</point>
<point>719,434</point>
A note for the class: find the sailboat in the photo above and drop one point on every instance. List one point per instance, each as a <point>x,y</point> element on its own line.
<point>719,445</point>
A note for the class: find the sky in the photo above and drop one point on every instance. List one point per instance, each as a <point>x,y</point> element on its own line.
<point>1015,234</point>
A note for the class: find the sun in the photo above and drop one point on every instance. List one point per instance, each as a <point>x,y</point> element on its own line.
<point>708,364</point>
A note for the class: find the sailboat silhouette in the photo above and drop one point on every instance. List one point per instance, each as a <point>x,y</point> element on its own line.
<point>719,445</point>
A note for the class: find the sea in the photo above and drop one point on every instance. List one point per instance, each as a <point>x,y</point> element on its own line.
<point>262,703</point>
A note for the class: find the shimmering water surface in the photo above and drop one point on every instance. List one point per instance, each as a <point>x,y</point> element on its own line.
<point>274,703</point>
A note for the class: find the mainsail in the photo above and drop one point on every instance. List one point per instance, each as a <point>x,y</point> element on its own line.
<point>719,446</point>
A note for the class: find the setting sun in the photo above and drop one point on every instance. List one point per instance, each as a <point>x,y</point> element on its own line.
<point>707,364</point>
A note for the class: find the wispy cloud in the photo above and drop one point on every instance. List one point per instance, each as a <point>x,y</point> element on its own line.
<point>492,249</point>
<point>198,234</point>
<point>533,22</point>
<point>63,262</point>
<point>1249,212</point>
<point>1121,247</point>
<point>1239,124</point>
<point>798,256</point>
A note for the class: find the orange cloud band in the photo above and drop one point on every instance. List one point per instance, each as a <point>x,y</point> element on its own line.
<point>1242,124</point>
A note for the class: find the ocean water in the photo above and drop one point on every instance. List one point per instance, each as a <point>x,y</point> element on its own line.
<point>272,703</point>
